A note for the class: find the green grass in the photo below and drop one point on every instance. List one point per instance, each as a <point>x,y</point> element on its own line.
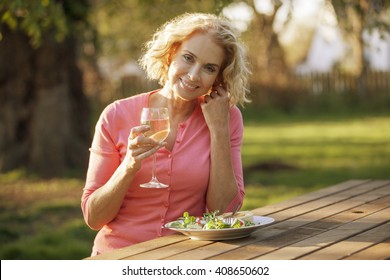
<point>41,219</point>
<point>283,156</point>
<point>311,154</point>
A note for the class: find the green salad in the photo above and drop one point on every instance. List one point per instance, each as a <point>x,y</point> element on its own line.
<point>209,220</point>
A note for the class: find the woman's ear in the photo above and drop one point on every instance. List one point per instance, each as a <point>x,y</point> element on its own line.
<point>218,81</point>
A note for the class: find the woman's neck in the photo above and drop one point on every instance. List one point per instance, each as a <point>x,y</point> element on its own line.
<point>179,109</point>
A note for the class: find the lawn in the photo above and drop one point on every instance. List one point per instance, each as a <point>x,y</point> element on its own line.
<point>41,219</point>
<point>283,157</point>
<point>288,158</point>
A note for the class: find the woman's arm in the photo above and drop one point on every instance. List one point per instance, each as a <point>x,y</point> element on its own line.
<point>225,190</point>
<point>102,205</point>
<point>105,202</point>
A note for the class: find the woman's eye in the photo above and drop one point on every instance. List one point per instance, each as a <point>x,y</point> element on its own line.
<point>187,58</point>
<point>210,68</point>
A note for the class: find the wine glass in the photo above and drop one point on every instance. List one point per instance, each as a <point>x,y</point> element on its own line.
<point>158,120</point>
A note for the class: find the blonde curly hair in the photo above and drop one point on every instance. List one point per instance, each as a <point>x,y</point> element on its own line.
<point>160,49</point>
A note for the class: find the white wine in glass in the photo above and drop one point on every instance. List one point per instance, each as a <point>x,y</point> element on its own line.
<point>158,120</point>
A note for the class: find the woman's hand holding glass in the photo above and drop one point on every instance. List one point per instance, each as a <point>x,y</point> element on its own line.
<point>146,139</point>
<point>158,121</point>
<point>140,147</point>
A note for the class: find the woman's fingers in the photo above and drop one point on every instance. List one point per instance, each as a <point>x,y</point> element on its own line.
<point>142,142</point>
<point>140,147</point>
<point>138,130</point>
<point>137,138</point>
<point>145,153</point>
<point>217,92</point>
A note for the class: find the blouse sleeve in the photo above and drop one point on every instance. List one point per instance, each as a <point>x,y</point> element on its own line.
<point>103,161</point>
<point>236,135</point>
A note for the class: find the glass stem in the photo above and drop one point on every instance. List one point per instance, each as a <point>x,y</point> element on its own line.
<point>154,168</point>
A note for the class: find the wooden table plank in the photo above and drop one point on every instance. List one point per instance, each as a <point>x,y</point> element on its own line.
<point>326,199</point>
<point>379,251</point>
<point>274,230</point>
<point>283,205</point>
<point>140,248</point>
<point>313,223</point>
<point>316,242</point>
<point>343,221</point>
<point>187,246</point>
<point>351,245</point>
<point>203,252</point>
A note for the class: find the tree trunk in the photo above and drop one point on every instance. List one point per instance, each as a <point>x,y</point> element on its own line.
<point>352,19</point>
<point>269,65</point>
<point>355,57</point>
<point>44,116</point>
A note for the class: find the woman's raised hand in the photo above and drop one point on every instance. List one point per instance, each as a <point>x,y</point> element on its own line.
<point>216,109</point>
<point>140,147</point>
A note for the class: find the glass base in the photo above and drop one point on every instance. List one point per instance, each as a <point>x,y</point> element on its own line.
<point>154,184</point>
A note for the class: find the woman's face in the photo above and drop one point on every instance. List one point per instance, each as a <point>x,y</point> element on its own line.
<point>195,67</point>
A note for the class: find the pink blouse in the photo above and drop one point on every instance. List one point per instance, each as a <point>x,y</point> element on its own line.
<point>185,169</point>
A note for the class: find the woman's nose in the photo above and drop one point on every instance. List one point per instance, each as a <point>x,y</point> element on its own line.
<point>193,73</point>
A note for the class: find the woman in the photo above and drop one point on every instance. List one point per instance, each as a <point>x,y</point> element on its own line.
<point>201,66</point>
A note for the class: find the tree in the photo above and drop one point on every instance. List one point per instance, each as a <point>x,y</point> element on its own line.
<point>271,81</point>
<point>269,64</point>
<point>44,116</point>
<point>354,18</point>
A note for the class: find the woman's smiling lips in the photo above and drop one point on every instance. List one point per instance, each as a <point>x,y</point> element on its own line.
<point>188,86</point>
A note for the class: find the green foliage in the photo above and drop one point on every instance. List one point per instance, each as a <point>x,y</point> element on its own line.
<point>372,13</point>
<point>41,17</point>
<point>125,25</point>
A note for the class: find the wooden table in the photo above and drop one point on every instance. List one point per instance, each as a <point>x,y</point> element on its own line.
<point>350,220</point>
